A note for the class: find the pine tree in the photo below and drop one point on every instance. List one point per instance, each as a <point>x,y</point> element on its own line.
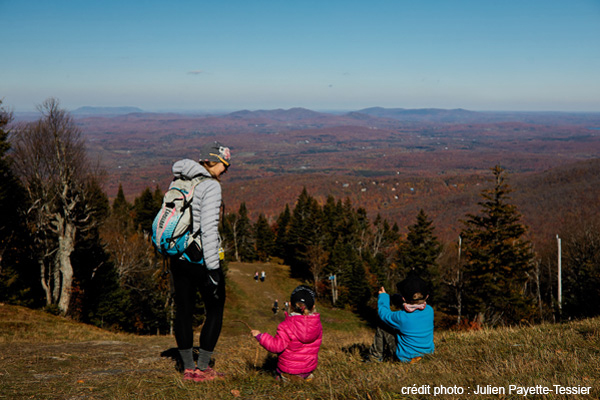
<point>10,190</point>
<point>581,267</point>
<point>120,201</point>
<point>245,236</point>
<point>158,198</point>
<point>352,277</point>
<point>145,209</point>
<point>281,239</point>
<point>361,223</point>
<point>305,230</point>
<point>265,238</point>
<point>121,216</point>
<point>332,221</point>
<point>498,258</point>
<point>421,249</point>
<point>91,253</point>
<point>18,270</point>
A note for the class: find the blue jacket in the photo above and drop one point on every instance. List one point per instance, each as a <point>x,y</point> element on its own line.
<point>414,331</point>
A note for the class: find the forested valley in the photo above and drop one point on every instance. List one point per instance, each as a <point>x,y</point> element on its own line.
<point>70,248</point>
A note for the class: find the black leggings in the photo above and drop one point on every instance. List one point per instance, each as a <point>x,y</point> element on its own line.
<point>187,279</point>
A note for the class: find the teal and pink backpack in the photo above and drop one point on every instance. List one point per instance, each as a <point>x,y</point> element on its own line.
<point>172,229</point>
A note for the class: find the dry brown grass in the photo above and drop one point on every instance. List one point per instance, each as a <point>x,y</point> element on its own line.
<point>47,357</point>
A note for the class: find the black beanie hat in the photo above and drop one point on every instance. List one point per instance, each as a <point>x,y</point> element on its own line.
<point>303,294</point>
<point>413,288</point>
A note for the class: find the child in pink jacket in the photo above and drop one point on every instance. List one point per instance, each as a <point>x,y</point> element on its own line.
<point>298,337</point>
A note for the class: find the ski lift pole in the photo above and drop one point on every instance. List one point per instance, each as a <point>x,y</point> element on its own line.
<point>559,275</point>
<point>333,280</point>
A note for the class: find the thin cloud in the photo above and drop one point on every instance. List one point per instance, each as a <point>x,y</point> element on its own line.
<point>196,72</point>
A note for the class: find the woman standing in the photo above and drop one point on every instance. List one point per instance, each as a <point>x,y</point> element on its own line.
<point>201,268</point>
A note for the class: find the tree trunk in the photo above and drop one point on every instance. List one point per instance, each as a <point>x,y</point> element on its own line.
<point>44,281</point>
<point>66,246</point>
<point>235,241</point>
<point>56,279</point>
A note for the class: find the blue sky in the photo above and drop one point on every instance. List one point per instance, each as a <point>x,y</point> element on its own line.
<point>526,55</point>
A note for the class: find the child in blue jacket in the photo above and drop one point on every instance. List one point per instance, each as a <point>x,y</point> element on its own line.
<point>408,331</point>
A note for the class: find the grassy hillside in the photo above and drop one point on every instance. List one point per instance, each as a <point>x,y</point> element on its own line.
<point>48,357</point>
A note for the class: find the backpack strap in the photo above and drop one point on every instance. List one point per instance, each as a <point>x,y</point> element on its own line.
<point>195,181</point>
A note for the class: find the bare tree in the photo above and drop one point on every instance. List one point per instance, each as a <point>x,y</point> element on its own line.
<point>132,253</point>
<point>317,259</point>
<point>50,158</point>
<point>233,221</point>
<point>452,275</point>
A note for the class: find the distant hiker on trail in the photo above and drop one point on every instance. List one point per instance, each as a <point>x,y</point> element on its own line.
<point>256,276</point>
<point>298,338</point>
<point>262,276</point>
<point>275,307</point>
<point>203,270</point>
<point>407,333</point>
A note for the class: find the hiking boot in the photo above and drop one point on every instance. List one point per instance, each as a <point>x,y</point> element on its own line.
<point>208,374</point>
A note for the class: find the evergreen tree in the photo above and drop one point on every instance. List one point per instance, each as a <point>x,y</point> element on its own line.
<point>498,258</point>
<point>120,202</point>
<point>581,268</point>
<point>158,198</point>
<point>18,271</point>
<point>352,277</point>
<point>421,249</point>
<point>333,221</point>
<point>145,209</point>
<point>354,224</point>
<point>265,238</point>
<point>245,236</point>
<point>121,212</point>
<point>281,239</point>
<point>296,248</point>
<point>10,191</point>
<point>305,230</point>
<point>9,186</point>
<point>361,222</point>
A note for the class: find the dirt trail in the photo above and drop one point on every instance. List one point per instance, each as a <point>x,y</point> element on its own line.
<point>252,301</point>
<point>55,358</point>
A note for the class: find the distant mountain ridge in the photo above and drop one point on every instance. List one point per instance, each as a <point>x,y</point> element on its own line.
<point>369,116</point>
<point>292,114</point>
<point>462,116</point>
<point>421,114</point>
<point>109,111</point>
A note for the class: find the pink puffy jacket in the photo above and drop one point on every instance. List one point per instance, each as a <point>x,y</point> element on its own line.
<point>298,340</point>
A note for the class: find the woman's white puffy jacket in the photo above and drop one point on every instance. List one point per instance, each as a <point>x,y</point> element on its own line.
<point>205,208</point>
